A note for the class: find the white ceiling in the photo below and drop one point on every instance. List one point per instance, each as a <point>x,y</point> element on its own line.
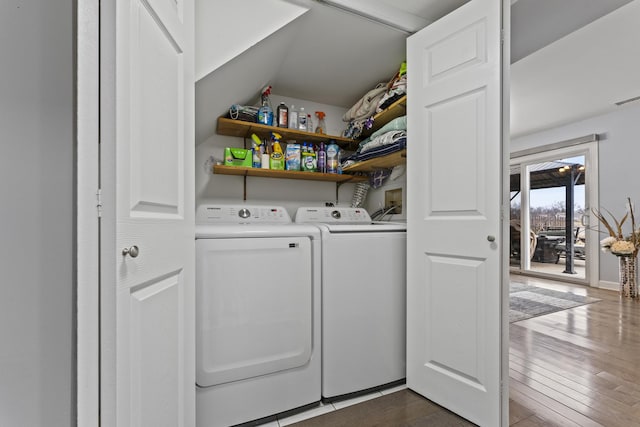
<point>330,56</point>
<point>581,75</point>
<point>538,23</point>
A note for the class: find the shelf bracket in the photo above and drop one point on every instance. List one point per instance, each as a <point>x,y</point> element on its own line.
<point>244,188</point>
<point>338,185</point>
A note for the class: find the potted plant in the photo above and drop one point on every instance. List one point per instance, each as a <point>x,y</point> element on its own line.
<point>625,247</point>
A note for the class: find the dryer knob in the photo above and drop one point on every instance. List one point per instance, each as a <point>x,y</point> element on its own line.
<point>336,214</point>
<point>244,213</point>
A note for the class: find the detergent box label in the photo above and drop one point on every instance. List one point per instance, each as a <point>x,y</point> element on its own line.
<point>238,157</point>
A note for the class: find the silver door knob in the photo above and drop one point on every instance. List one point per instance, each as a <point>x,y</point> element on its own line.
<point>133,251</point>
<point>491,238</point>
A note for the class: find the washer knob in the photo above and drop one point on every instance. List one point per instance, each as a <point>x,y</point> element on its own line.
<point>244,213</point>
<point>336,214</point>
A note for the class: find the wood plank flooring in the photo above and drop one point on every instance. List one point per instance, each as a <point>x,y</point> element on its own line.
<point>577,367</point>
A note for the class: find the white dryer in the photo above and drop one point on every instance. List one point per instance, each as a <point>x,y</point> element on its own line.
<point>257,314</point>
<point>363,299</point>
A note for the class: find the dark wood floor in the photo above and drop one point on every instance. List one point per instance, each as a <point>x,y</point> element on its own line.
<point>577,367</point>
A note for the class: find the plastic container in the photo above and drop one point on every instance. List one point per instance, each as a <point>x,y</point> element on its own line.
<point>292,157</point>
<point>333,157</point>
<point>256,146</point>
<point>276,160</point>
<point>322,158</point>
<point>322,126</point>
<point>293,117</point>
<point>265,113</point>
<point>302,119</point>
<point>309,123</point>
<point>308,158</point>
<point>283,115</point>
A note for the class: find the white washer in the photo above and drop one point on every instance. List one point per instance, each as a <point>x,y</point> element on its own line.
<point>257,314</point>
<point>363,299</point>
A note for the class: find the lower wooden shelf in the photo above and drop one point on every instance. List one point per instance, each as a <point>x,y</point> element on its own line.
<point>268,173</point>
<point>385,162</point>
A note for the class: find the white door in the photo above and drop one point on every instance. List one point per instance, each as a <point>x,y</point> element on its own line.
<point>454,250</point>
<point>147,326</point>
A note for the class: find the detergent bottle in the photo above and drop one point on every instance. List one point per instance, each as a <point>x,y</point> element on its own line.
<point>322,158</point>
<point>332,157</point>
<point>322,127</point>
<point>276,161</point>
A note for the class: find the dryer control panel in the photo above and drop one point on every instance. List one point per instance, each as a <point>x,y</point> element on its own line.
<point>242,214</point>
<point>332,215</point>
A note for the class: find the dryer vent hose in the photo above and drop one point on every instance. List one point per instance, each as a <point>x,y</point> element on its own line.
<point>360,194</point>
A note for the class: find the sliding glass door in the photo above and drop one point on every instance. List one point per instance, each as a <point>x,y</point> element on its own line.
<point>551,192</point>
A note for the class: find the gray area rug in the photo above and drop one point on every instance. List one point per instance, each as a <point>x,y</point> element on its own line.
<point>528,301</point>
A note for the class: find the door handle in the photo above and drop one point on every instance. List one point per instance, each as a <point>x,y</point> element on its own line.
<point>133,251</point>
<point>584,220</point>
<point>491,238</point>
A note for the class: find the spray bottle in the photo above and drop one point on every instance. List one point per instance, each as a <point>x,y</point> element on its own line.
<point>276,161</point>
<point>255,145</point>
<point>265,113</point>
<point>322,127</point>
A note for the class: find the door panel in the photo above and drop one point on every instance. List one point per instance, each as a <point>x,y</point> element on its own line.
<point>462,49</point>
<point>454,290</point>
<point>156,117</point>
<point>461,145</point>
<point>147,98</point>
<point>459,280</point>
<point>156,322</point>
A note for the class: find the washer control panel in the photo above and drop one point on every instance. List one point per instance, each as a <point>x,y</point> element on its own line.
<point>240,214</point>
<point>332,215</point>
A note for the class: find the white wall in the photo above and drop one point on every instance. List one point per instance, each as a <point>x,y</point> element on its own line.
<point>376,197</point>
<point>619,153</point>
<point>36,213</point>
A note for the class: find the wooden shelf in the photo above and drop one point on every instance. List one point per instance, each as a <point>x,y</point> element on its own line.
<point>268,173</point>
<point>397,109</point>
<point>385,162</point>
<point>244,129</point>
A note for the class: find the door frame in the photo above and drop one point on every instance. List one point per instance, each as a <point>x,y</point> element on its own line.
<point>588,147</point>
<point>88,211</point>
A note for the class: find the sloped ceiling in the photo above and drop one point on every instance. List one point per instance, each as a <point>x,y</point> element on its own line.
<point>219,41</point>
<point>324,55</point>
<point>569,64</point>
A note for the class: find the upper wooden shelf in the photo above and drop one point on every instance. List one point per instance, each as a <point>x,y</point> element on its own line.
<point>384,162</point>
<point>284,174</point>
<point>244,129</point>
<point>397,109</point>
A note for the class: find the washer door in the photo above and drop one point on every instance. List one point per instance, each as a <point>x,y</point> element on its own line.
<point>253,307</point>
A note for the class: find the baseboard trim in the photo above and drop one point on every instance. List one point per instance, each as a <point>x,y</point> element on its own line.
<point>612,286</point>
